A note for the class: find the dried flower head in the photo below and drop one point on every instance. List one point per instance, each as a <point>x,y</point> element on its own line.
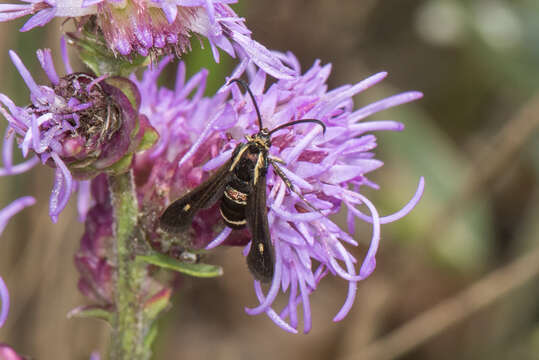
<point>81,125</point>
<point>155,26</point>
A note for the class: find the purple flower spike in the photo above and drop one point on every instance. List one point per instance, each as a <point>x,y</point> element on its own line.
<point>198,135</point>
<point>80,125</point>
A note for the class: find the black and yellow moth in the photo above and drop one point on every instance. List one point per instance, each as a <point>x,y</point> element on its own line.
<point>240,183</point>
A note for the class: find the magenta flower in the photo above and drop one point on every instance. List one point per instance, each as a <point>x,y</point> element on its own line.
<point>80,125</point>
<point>7,353</point>
<point>328,170</point>
<point>156,26</point>
<point>5,214</point>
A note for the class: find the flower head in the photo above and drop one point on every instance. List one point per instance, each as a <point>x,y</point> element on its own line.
<point>327,171</point>
<point>80,125</point>
<point>183,118</point>
<point>155,26</point>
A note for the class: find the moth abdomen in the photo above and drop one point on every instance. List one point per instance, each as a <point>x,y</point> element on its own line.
<point>233,206</point>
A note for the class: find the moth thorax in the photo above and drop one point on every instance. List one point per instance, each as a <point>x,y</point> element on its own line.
<point>244,170</point>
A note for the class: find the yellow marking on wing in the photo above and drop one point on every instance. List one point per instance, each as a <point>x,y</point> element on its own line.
<point>238,157</point>
<point>186,207</point>
<point>258,166</point>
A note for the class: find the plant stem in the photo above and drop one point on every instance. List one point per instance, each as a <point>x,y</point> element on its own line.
<point>129,325</point>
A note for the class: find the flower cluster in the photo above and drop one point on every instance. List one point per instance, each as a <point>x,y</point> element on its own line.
<point>87,126</point>
<point>324,169</point>
<point>162,26</point>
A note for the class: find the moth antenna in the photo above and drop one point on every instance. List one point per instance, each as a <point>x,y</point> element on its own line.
<point>245,87</point>
<point>316,121</point>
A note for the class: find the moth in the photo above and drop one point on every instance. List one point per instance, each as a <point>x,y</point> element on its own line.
<point>240,184</point>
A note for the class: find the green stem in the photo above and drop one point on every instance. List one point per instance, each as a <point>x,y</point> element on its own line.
<point>129,325</point>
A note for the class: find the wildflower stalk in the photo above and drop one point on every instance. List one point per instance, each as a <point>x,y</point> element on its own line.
<point>129,325</point>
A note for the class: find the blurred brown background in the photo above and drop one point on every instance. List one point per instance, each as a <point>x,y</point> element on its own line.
<point>457,279</point>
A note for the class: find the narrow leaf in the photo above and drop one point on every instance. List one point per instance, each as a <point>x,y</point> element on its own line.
<point>92,311</point>
<point>197,270</point>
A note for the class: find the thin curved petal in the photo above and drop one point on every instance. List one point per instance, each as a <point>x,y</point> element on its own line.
<point>4,302</point>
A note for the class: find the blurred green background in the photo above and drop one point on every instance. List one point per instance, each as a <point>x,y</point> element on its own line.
<point>457,279</point>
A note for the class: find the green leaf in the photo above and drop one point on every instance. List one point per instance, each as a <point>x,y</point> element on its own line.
<point>121,165</point>
<point>151,336</point>
<point>197,270</point>
<point>94,52</point>
<point>92,311</point>
<point>157,303</point>
<point>128,88</point>
<point>149,138</point>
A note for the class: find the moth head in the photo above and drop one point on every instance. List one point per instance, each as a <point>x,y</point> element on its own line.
<point>264,135</point>
<point>261,141</point>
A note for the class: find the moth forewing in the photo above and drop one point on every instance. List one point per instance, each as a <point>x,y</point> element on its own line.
<point>260,259</point>
<point>178,215</point>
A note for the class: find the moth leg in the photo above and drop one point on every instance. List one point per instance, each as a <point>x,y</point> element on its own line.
<point>289,184</point>
<point>275,159</point>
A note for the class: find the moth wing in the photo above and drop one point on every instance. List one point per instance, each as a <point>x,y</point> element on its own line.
<point>260,259</point>
<point>180,213</point>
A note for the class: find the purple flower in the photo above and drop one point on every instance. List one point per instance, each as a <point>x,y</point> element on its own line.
<point>329,170</point>
<point>94,260</point>
<point>180,117</point>
<point>80,125</point>
<point>5,214</point>
<point>156,26</point>
<point>7,353</point>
